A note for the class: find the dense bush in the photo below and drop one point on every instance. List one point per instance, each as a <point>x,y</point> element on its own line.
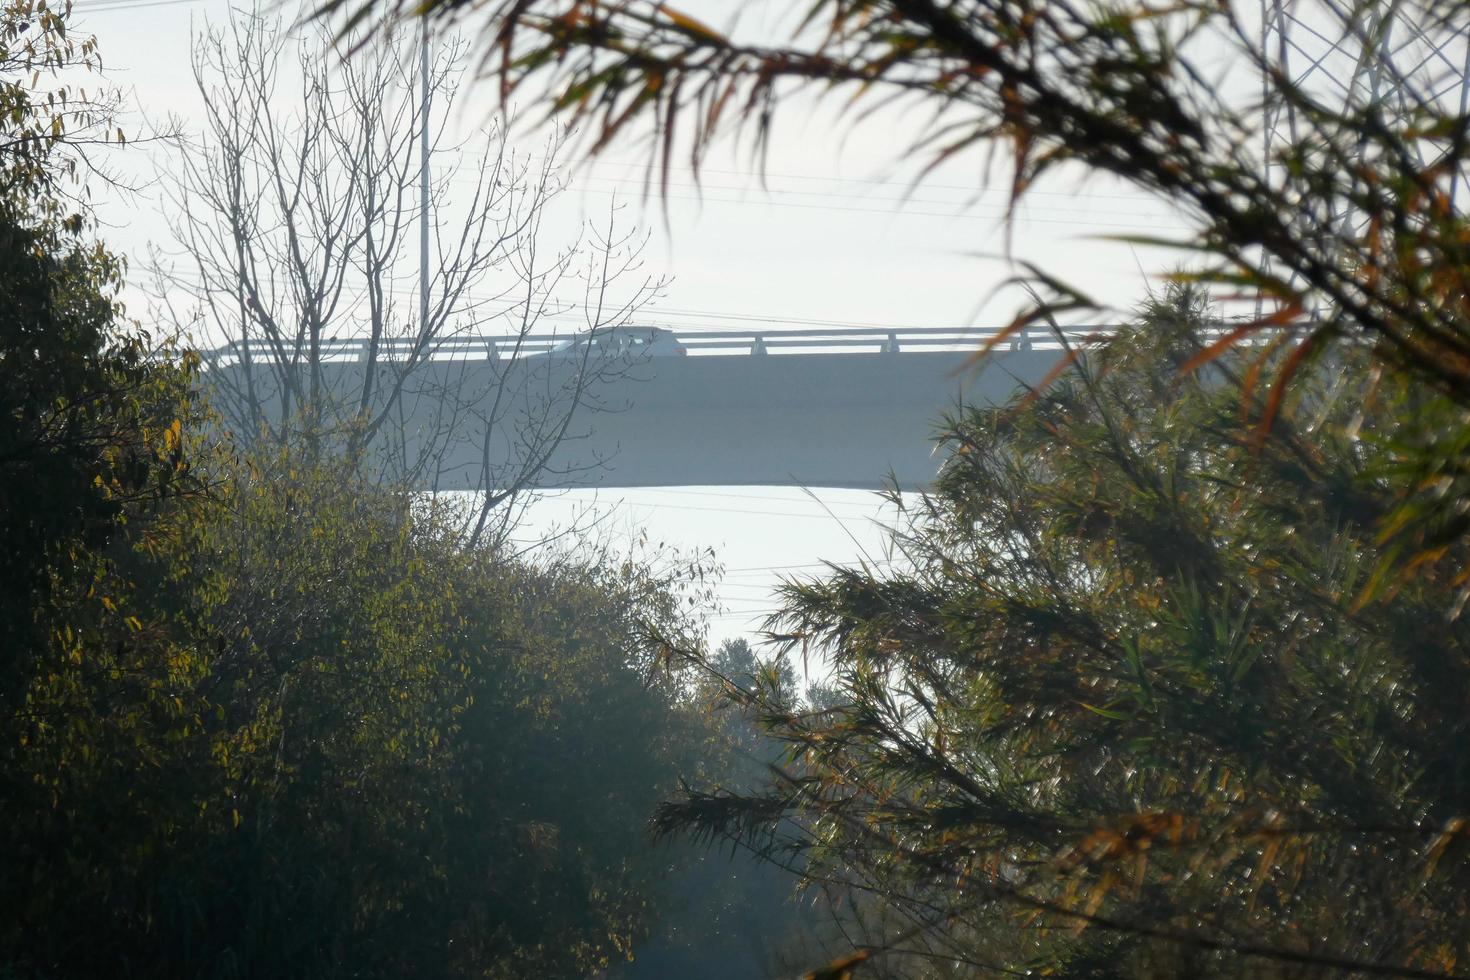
<point>1129,703</point>
<point>330,741</point>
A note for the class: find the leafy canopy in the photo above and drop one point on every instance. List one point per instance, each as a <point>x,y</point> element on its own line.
<point>50,125</point>
<point>1121,707</point>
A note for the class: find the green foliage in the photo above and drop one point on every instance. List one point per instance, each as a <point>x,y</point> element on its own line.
<point>47,129</point>
<point>90,422</point>
<point>91,417</point>
<point>1127,706</point>
<point>92,450</point>
<point>341,745</point>
<point>724,913</point>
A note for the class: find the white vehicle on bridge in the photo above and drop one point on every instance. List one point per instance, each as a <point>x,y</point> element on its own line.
<point>633,343</point>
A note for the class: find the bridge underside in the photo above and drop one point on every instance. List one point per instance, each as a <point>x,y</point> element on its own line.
<point>815,420</point>
<point>847,420</point>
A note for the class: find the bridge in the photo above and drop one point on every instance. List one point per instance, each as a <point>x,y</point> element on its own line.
<point>843,408</point>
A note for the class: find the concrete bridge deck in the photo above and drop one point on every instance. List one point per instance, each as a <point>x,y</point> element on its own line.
<point>802,408</point>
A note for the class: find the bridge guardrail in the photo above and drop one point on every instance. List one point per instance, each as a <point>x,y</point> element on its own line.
<point>704,343</point>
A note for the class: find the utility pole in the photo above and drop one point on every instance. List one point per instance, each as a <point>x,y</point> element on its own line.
<point>424,178</point>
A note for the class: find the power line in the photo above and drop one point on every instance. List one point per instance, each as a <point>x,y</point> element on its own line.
<point>965,211</point>
<point>805,565</point>
<point>902,203</point>
<point>569,309</point>
<point>108,6</point>
<point>454,173</point>
<point>735,510</point>
<point>898,213</point>
<point>884,182</point>
<point>624,501</point>
<point>755,496</point>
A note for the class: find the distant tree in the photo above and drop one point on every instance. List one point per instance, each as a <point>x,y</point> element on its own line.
<point>736,658</point>
<point>722,913</point>
<point>738,663</point>
<point>1133,710</point>
<point>823,695</point>
<point>297,218</point>
<point>1350,232</point>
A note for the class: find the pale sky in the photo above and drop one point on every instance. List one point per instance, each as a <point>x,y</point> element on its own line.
<point>837,234</point>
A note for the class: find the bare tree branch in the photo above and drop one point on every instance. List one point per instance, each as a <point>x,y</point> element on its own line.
<point>295,230</point>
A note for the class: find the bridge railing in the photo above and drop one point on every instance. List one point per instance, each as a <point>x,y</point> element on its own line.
<point>703,343</point>
<point>879,339</point>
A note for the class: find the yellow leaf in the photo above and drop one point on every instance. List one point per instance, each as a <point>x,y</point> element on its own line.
<point>690,25</point>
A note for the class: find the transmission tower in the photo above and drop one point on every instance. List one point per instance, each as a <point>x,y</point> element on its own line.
<point>1388,55</point>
